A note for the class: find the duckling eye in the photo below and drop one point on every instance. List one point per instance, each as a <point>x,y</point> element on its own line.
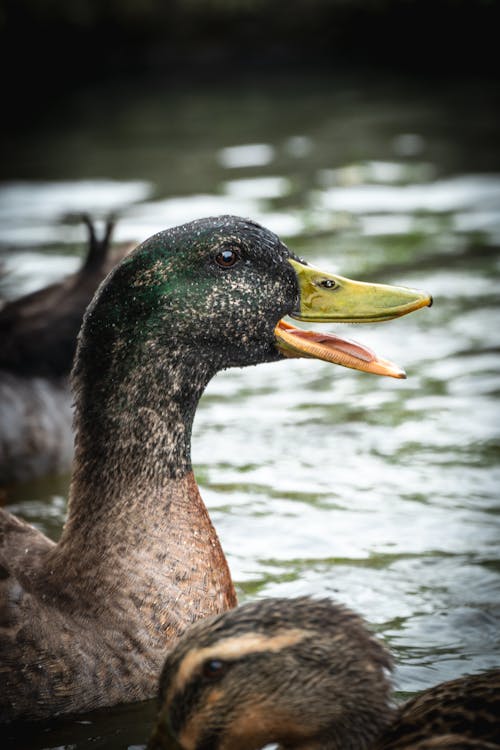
<point>227,258</point>
<point>214,668</point>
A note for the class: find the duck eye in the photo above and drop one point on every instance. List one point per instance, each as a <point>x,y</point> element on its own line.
<point>227,258</point>
<point>214,668</point>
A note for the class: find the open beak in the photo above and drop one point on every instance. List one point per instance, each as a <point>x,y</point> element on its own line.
<point>325,297</point>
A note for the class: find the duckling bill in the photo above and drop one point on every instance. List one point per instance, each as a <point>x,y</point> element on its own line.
<point>87,622</point>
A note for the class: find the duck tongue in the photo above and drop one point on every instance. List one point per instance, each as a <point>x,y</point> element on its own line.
<point>295,342</point>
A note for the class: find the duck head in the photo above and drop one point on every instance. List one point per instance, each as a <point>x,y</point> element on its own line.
<point>302,673</point>
<point>191,301</point>
<point>218,289</point>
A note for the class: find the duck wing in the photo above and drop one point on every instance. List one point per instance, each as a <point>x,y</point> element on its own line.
<point>21,549</point>
<point>22,552</point>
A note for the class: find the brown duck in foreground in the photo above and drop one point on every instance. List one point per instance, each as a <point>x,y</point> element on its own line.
<point>307,674</point>
<point>87,622</point>
<point>38,340</point>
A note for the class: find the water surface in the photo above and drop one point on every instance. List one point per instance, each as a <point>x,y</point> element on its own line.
<point>320,480</point>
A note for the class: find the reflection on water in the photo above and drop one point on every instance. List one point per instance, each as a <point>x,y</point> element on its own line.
<point>319,480</point>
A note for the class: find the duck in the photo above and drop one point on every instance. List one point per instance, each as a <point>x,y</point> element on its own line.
<point>87,622</point>
<point>308,674</point>
<point>38,333</point>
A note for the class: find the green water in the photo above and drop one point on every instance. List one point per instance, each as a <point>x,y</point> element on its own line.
<point>380,493</point>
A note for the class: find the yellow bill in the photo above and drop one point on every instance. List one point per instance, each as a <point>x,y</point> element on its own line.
<point>325,297</point>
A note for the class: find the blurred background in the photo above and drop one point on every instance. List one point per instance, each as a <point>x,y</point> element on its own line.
<point>366,135</point>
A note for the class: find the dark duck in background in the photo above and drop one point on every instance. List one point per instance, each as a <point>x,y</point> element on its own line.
<point>38,342</point>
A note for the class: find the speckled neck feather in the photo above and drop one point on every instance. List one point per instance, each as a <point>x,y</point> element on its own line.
<point>157,332</point>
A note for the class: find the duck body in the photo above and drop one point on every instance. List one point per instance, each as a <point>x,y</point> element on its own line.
<point>307,674</point>
<point>87,622</point>
<point>76,634</point>
<point>38,335</point>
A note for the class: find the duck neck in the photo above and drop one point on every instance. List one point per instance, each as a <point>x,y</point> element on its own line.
<point>133,447</point>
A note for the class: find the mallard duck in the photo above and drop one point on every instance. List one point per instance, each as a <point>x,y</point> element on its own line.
<point>87,622</point>
<point>308,674</point>
<point>38,334</point>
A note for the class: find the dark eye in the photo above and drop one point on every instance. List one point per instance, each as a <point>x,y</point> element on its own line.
<point>227,258</point>
<point>214,668</point>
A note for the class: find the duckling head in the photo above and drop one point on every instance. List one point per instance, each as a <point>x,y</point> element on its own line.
<point>302,673</point>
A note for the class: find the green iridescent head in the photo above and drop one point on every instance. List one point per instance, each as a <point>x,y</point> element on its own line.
<point>213,293</point>
<point>199,298</point>
<point>215,288</point>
